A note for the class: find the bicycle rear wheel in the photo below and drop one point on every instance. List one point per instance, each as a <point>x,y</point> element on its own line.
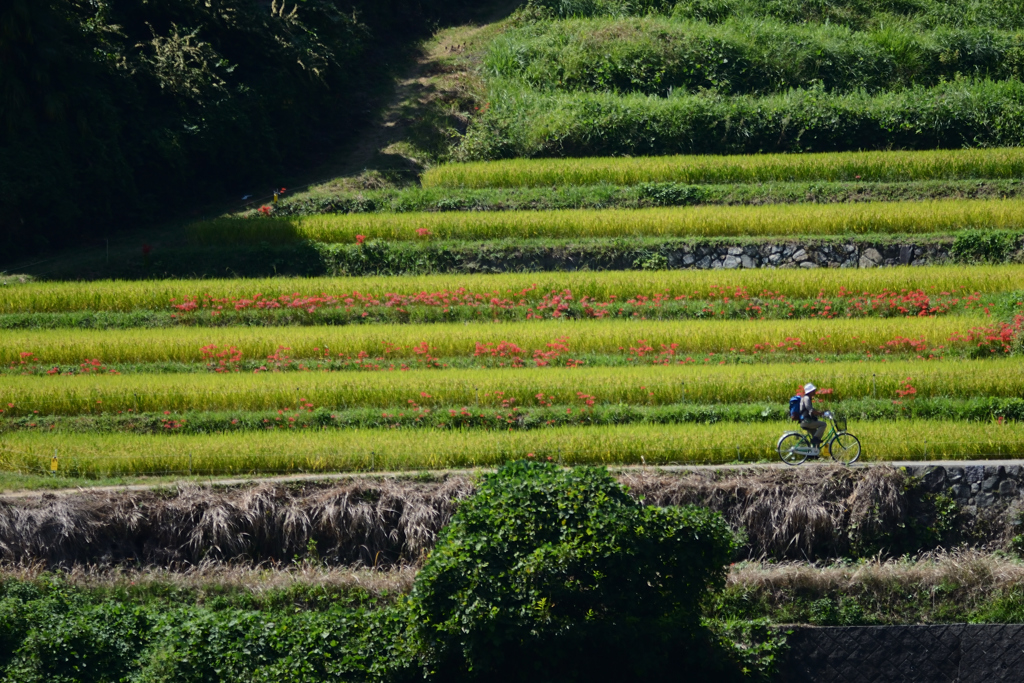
<point>844,448</point>
<point>793,448</point>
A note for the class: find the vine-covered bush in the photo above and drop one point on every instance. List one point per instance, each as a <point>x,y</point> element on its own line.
<point>559,575</point>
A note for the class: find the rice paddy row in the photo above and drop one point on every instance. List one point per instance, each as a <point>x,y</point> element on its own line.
<point>585,411</point>
<point>52,297</point>
<point>945,216</point>
<point>888,166</point>
<point>527,341</point>
<point>462,308</point>
<point>507,388</point>
<point>362,450</point>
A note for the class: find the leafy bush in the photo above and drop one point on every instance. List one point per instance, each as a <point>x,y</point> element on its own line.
<point>985,246</point>
<point>553,575</point>
<point>658,56</point>
<point>961,113</point>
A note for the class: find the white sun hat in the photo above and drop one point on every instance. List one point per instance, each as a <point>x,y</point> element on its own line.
<point>808,388</point>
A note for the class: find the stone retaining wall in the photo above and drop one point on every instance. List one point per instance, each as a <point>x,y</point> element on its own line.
<point>974,486</point>
<point>954,653</point>
<point>853,255</point>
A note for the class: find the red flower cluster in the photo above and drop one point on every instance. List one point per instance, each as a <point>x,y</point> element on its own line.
<point>558,304</point>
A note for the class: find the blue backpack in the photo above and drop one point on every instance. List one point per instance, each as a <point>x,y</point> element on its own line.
<point>794,408</point>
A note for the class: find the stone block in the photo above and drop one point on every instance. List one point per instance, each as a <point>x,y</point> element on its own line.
<point>1013,471</point>
<point>974,473</point>
<point>730,262</point>
<point>800,256</point>
<point>748,262</point>
<point>960,491</point>
<point>906,254</point>
<point>933,479</point>
<point>871,254</point>
<point>995,471</point>
<point>808,264</point>
<point>954,475</point>
<point>1008,487</point>
<point>990,483</point>
<point>985,499</point>
<point>735,251</point>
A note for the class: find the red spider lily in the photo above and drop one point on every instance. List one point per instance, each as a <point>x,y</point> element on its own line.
<point>908,389</point>
<point>423,232</point>
<point>360,239</point>
<point>265,210</point>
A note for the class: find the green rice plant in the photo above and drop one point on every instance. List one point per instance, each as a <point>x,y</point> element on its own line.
<point>417,390</point>
<point>887,166</point>
<point>106,295</point>
<point>944,216</point>
<point>560,338</point>
<point>392,450</point>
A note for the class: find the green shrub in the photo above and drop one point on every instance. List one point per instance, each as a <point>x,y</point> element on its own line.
<point>553,575</point>
<point>961,113</point>
<point>658,56</point>
<point>984,246</point>
<point>87,644</point>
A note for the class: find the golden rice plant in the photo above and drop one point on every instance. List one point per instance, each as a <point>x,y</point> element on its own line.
<point>122,295</point>
<point>412,341</point>
<point>395,450</point>
<point>430,389</point>
<point>781,220</point>
<point>762,168</point>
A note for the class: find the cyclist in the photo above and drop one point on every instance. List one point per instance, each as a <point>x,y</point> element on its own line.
<point>808,415</point>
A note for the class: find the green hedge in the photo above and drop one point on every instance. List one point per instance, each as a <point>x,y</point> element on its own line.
<point>963,113</point>
<point>658,56</point>
<point>855,14</point>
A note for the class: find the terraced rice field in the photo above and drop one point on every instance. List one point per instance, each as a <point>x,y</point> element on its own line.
<point>881,218</point>
<point>389,450</point>
<point>324,374</point>
<point>56,297</point>
<point>761,168</point>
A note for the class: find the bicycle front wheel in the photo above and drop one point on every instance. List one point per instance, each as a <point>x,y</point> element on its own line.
<point>793,448</point>
<point>844,448</point>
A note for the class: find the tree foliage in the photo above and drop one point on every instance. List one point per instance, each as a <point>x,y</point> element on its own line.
<point>112,108</point>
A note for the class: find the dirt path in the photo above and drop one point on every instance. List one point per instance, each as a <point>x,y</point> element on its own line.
<point>437,474</point>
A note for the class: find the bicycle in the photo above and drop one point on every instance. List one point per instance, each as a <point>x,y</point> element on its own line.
<point>795,447</point>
